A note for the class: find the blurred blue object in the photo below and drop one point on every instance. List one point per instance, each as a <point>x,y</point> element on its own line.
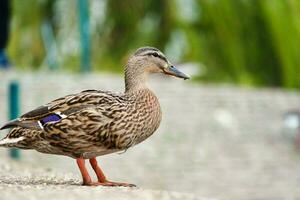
<point>14,108</point>
<point>84,35</point>
<point>4,63</point>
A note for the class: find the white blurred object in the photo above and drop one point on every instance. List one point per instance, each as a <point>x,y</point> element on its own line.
<point>291,126</point>
<point>224,118</point>
<point>292,121</point>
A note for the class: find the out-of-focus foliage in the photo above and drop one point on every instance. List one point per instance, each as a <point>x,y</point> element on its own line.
<point>249,42</point>
<point>25,45</point>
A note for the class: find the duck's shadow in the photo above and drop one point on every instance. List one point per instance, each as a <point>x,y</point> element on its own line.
<point>42,182</point>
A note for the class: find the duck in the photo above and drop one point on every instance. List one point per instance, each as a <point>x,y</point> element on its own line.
<point>93,123</point>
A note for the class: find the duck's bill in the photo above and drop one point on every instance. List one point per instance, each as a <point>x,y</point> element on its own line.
<point>173,71</point>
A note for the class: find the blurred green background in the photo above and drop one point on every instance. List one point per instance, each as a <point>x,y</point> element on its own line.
<point>245,42</point>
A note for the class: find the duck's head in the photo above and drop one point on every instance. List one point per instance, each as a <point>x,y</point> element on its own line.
<point>151,60</point>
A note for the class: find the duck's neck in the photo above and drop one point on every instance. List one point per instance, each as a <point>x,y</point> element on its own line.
<point>135,78</point>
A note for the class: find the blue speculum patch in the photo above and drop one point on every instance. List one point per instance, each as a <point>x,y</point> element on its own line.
<point>50,118</point>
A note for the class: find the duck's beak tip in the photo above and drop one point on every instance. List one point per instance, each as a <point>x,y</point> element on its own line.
<point>173,71</point>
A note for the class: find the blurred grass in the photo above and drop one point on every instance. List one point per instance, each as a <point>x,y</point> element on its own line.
<point>247,42</point>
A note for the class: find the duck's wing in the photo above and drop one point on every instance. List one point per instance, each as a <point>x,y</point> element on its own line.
<point>88,130</point>
<point>60,108</point>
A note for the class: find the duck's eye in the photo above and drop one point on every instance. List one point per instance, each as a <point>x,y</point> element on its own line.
<point>155,54</point>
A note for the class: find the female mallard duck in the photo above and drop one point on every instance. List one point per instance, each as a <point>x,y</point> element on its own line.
<point>94,122</point>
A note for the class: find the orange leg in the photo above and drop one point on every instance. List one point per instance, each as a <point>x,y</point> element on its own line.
<point>100,175</point>
<point>85,174</point>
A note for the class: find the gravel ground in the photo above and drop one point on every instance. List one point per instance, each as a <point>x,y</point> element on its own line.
<point>215,142</point>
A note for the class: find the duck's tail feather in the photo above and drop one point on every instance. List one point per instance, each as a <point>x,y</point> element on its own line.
<point>11,124</point>
<point>10,142</point>
<point>18,123</point>
<point>20,138</point>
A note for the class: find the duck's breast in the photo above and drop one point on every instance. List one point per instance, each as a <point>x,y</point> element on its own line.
<point>145,116</point>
